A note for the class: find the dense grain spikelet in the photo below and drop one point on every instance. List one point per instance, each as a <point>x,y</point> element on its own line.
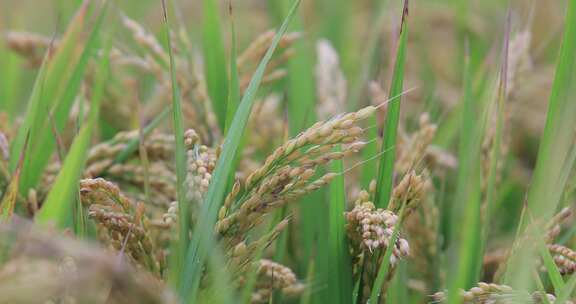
<point>370,231</point>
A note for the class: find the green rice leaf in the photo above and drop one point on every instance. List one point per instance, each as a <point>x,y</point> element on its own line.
<point>10,78</point>
<point>234,91</point>
<point>467,203</point>
<point>215,60</point>
<point>385,178</point>
<point>551,269</point>
<point>340,278</point>
<point>566,292</point>
<point>181,245</point>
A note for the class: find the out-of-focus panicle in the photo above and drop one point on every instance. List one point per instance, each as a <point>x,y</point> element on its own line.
<point>412,149</point>
<point>271,276</point>
<point>198,109</point>
<point>422,230</point>
<point>162,181</point>
<point>489,293</point>
<point>44,267</point>
<point>409,192</point>
<point>251,56</point>
<point>31,46</point>
<point>243,255</point>
<point>519,60</point>
<point>519,66</point>
<point>256,50</point>
<point>414,191</point>
<point>5,137</point>
<point>146,40</point>
<point>439,160</point>
<point>269,78</point>
<point>266,124</point>
<point>330,81</point>
<point>415,150</point>
<point>4,148</point>
<point>486,150</point>
<point>122,224</point>
<point>159,147</point>
<point>275,277</point>
<point>130,173</point>
<point>196,105</point>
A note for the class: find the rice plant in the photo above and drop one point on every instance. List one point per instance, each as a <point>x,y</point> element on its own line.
<point>287,151</point>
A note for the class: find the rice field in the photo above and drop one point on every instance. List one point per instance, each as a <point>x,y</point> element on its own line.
<point>288,151</point>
